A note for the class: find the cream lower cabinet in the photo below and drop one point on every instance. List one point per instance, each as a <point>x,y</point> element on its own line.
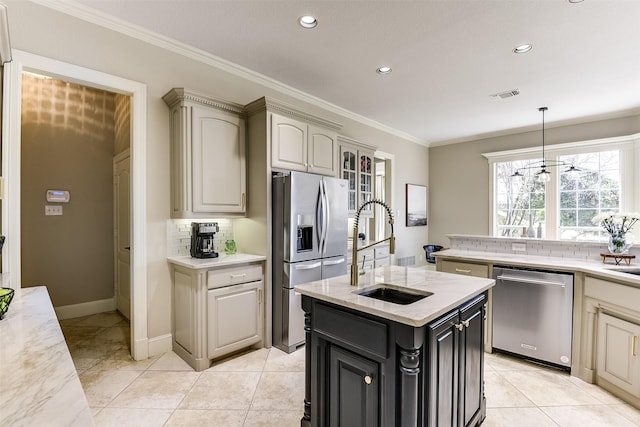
<point>610,344</point>
<point>216,311</point>
<point>234,318</point>
<point>618,359</point>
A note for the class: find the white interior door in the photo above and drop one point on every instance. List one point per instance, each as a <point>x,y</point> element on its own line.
<point>122,227</point>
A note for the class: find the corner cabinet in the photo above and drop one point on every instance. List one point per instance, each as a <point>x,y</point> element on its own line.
<point>358,167</point>
<point>216,311</point>
<point>611,337</point>
<point>297,145</point>
<point>208,161</point>
<point>364,370</point>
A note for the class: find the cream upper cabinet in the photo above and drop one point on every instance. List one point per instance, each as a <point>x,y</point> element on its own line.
<point>322,151</point>
<point>297,145</point>
<point>208,161</point>
<point>357,167</point>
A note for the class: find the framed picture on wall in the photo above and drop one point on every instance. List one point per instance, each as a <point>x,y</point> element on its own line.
<point>416,205</point>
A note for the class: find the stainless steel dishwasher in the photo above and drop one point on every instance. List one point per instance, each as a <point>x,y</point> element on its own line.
<point>533,314</point>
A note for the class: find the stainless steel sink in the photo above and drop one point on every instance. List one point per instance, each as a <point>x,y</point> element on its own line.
<point>394,294</point>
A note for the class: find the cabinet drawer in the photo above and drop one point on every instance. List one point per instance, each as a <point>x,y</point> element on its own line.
<point>382,262</point>
<point>233,275</point>
<point>381,252</point>
<point>465,268</point>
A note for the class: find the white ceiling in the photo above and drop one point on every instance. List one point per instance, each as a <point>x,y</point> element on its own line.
<point>448,56</point>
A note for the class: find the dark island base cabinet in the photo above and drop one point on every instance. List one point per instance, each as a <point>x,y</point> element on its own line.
<point>362,370</point>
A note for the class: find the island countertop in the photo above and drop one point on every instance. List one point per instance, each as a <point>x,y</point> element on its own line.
<point>449,291</point>
<point>39,383</point>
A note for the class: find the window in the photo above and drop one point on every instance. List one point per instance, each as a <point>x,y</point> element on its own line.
<point>594,190</point>
<point>520,202</point>
<point>563,208</point>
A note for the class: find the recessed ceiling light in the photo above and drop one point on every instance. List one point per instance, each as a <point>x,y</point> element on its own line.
<point>383,70</point>
<point>308,21</point>
<point>523,48</point>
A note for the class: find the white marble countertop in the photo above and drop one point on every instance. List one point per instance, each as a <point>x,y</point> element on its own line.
<point>449,291</point>
<point>593,268</point>
<point>223,260</point>
<point>39,385</point>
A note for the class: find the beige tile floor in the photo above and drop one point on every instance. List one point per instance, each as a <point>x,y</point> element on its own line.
<point>265,387</point>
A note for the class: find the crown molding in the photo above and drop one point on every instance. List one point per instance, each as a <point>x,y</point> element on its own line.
<point>93,16</point>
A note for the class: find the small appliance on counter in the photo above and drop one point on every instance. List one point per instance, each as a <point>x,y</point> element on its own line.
<point>202,239</point>
<point>429,249</point>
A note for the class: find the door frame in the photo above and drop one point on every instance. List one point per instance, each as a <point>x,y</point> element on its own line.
<point>11,138</point>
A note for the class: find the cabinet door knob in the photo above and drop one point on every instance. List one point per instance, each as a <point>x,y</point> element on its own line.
<point>465,323</point>
<point>459,326</point>
<point>367,379</point>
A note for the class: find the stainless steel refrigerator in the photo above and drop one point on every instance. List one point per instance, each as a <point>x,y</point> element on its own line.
<point>309,243</point>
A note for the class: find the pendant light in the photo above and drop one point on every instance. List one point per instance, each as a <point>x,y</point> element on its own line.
<point>543,174</point>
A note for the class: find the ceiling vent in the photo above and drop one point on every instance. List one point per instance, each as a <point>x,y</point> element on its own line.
<point>507,94</point>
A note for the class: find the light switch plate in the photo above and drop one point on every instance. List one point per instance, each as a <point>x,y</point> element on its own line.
<point>52,210</point>
<point>519,247</point>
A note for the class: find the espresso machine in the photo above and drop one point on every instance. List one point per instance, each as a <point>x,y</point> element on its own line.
<point>202,239</point>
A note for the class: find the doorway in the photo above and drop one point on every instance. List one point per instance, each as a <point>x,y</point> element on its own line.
<point>69,136</point>
<point>12,103</point>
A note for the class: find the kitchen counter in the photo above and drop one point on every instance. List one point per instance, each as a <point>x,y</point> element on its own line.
<point>592,268</point>
<point>221,261</point>
<point>449,291</point>
<point>38,381</point>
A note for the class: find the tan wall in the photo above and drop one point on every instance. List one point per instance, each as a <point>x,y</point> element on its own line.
<point>42,31</point>
<point>459,174</point>
<point>122,118</point>
<point>67,144</point>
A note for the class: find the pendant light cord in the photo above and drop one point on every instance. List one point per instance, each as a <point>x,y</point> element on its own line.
<point>543,109</point>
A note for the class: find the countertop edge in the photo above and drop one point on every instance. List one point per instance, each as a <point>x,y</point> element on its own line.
<point>222,261</point>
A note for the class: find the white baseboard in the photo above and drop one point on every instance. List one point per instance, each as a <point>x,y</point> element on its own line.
<point>160,345</point>
<point>85,308</point>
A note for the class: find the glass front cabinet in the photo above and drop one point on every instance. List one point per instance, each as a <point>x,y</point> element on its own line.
<point>357,167</point>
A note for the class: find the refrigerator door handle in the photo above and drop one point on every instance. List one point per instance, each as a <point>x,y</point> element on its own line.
<point>319,219</point>
<point>308,266</point>
<point>326,216</point>
<point>335,261</point>
<point>322,218</point>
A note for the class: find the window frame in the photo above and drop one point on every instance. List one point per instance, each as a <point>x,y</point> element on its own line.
<point>629,146</point>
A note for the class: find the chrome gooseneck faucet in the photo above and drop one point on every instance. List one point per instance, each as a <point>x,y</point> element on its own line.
<point>356,249</point>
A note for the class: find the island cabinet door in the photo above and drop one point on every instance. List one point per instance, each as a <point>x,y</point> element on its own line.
<point>471,393</point>
<point>353,388</point>
<point>442,406</point>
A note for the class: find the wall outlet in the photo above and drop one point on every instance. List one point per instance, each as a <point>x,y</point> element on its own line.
<point>52,210</point>
<point>519,247</point>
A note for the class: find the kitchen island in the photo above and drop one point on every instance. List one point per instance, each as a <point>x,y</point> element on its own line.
<point>373,362</point>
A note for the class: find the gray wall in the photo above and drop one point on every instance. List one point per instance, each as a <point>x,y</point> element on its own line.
<point>459,174</point>
<point>67,144</point>
<point>43,31</point>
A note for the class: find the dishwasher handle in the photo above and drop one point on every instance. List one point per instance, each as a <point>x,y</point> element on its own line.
<point>531,281</point>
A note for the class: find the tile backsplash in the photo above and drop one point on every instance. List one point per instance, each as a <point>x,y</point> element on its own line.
<point>179,235</point>
<point>587,251</point>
